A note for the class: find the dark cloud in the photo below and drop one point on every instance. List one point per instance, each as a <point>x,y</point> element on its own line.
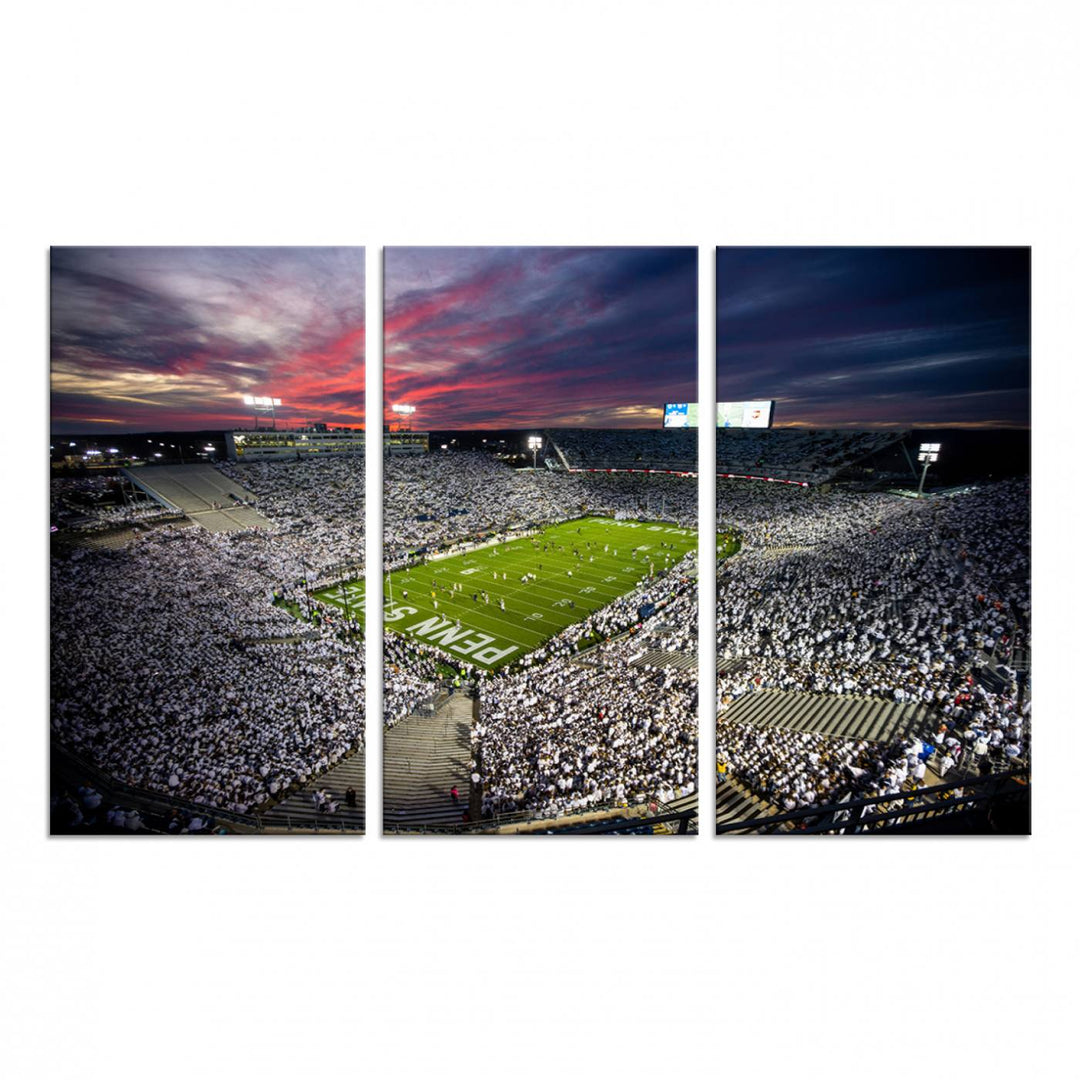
<point>173,337</point>
<point>513,337</point>
<point>877,336</point>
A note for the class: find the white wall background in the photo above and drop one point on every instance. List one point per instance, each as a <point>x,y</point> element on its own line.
<point>560,123</point>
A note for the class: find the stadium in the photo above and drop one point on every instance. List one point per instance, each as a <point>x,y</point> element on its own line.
<point>873,649</point>
<point>872,646</point>
<point>199,684</point>
<point>541,643</point>
<point>540,559</point>
<point>540,635</point>
<point>208,582</point>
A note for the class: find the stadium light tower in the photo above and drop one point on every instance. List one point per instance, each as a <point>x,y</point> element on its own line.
<point>263,405</point>
<point>535,442</point>
<point>405,412</point>
<point>929,452</point>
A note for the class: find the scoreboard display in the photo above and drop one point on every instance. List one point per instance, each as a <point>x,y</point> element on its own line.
<point>681,416</point>
<point>729,414</point>
<point>744,414</point>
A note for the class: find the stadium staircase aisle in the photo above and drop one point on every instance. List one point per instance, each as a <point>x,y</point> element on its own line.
<point>298,811</point>
<point>423,758</point>
<point>662,658</point>
<point>685,802</point>
<point>735,802</point>
<point>727,665</point>
<point>846,716</point>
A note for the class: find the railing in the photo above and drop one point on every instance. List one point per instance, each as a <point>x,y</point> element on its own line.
<point>143,799</point>
<point>682,818</point>
<point>924,804</point>
<point>568,819</point>
<point>161,805</point>
<point>328,824</point>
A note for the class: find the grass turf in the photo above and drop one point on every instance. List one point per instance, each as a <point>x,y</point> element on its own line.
<point>490,636</point>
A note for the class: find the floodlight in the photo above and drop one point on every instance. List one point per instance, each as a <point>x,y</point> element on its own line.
<point>535,442</point>
<point>262,404</point>
<point>928,455</point>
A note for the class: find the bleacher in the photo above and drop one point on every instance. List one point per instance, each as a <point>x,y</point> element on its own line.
<point>201,492</point>
<point>665,658</point>
<point>803,455</point>
<point>848,716</point>
<point>809,456</point>
<point>297,812</point>
<point>646,448</point>
<point>735,803</point>
<point>424,756</point>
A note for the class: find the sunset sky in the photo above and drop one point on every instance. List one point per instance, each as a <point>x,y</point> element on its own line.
<point>171,338</point>
<point>877,336</point>
<point>521,337</point>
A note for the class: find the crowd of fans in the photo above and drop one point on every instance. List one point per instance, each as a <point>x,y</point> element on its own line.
<point>646,448</point>
<point>803,454</point>
<point>86,810</point>
<point>432,500</point>
<point>560,736</point>
<point>95,503</point>
<point>318,503</point>
<point>913,601</point>
<point>556,735</point>
<point>436,501</point>
<point>812,455</point>
<point>177,666</point>
<point>796,769</point>
<point>411,676</point>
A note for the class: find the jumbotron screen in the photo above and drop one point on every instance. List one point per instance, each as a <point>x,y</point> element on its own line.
<point>741,414</point>
<point>681,415</point>
<point>754,414</point>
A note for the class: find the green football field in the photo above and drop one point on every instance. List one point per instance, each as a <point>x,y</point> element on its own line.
<point>476,607</point>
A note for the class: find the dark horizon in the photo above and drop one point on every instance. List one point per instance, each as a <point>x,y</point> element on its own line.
<point>103,436</point>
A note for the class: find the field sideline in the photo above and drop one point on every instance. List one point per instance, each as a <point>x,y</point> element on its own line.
<point>574,576</point>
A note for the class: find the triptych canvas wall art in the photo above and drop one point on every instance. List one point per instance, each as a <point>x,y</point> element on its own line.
<point>541,542</point>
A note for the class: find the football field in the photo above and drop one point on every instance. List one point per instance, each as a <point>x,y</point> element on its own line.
<point>497,603</point>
